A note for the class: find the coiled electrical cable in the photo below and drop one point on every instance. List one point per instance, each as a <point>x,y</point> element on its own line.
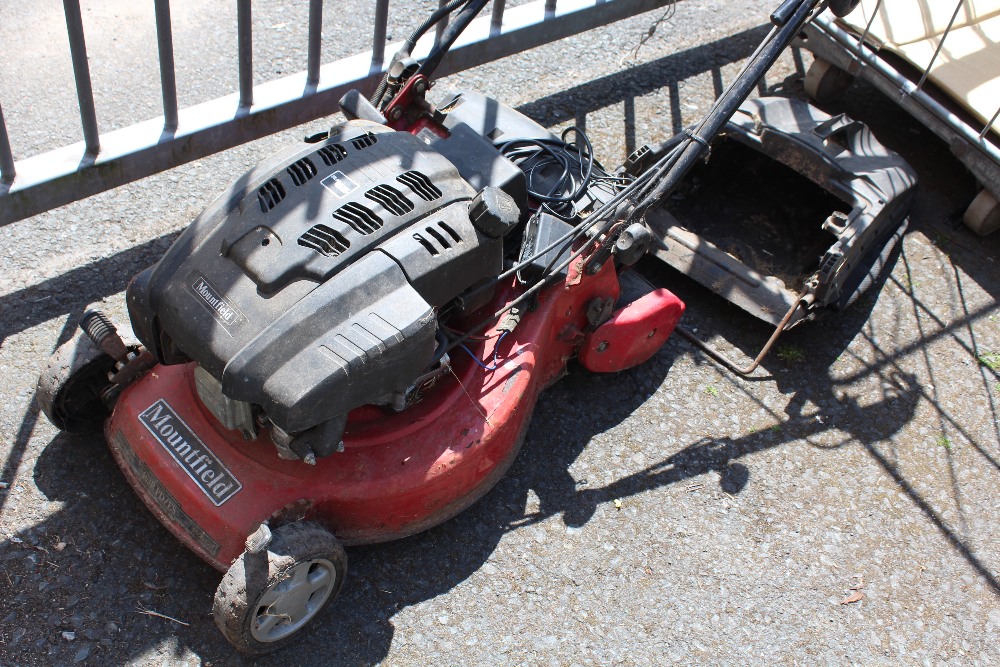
<point>540,157</point>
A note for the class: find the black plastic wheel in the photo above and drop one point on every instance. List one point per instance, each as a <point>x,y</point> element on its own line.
<point>69,389</point>
<point>983,214</point>
<point>842,8</point>
<point>266,600</point>
<point>826,82</point>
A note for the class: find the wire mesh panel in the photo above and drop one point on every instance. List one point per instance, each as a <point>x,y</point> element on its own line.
<point>940,61</point>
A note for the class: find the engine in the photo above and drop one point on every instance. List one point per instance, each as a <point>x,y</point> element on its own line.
<point>313,285</point>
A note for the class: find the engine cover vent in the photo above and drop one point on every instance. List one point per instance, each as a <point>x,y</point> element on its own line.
<point>270,194</point>
<point>364,141</point>
<point>436,239</point>
<point>327,242</point>
<point>420,185</point>
<point>332,154</point>
<point>391,199</point>
<point>301,171</point>
<point>361,219</point>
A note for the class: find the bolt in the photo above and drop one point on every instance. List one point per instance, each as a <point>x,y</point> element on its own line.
<point>603,346</point>
<point>396,113</point>
<point>420,87</point>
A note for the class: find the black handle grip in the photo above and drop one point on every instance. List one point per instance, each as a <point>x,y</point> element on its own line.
<point>783,14</point>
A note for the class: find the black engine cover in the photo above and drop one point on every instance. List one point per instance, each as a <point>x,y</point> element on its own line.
<point>310,287</point>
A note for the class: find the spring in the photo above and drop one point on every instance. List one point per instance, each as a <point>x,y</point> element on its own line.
<point>98,327</point>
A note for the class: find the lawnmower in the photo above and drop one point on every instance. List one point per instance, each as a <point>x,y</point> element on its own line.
<point>346,346</point>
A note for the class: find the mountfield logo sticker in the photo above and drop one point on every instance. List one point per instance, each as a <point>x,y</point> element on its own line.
<point>224,311</point>
<point>194,457</point>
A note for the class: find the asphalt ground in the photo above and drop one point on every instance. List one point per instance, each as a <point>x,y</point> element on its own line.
<point>670,514</point>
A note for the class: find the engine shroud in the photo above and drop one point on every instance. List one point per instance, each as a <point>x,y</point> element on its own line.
<point>310,287</point>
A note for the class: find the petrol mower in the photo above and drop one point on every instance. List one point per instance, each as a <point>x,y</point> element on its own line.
<point>346,346</point>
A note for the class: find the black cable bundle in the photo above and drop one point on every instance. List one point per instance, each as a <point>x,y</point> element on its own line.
<point>560,172</point>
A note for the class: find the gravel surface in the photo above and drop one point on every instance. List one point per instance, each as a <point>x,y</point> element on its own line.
<point>669,514</point>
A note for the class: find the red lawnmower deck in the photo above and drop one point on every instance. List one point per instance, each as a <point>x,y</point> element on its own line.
<point>398,474</point>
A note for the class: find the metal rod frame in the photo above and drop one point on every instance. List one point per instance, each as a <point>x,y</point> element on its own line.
<point>937,51</point>
<point>100,163</point>
<point>802,302</point>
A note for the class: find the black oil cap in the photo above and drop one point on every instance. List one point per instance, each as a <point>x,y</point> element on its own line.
<point>494,212</point>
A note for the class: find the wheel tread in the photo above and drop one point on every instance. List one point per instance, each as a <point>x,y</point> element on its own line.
<point>244,583</point>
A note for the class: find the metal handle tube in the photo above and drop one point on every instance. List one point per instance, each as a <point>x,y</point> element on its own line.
<point>6,156</point>
<point>448,37</point>
<point>381,23</point>
<point>442,24</point>
<point>315,41</point>
<point>168,80</point>
<point>81,70</point>
<point>244,30</point>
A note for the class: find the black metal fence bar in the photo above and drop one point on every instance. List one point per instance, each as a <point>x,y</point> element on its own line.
<point>315,41</point>
<point>63,175</point>
<point>81,70</point>
<point>496,20</point>
<point>6,155</point>
<point>168,80</point>
<point>244,32</point>
<point>381,23</point>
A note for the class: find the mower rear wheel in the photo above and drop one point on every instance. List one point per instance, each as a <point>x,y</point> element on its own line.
<point>983,214</point>
<point>266,599</point>
<point>69,389</point>
<point>842,8</point>
<point>825,81</point>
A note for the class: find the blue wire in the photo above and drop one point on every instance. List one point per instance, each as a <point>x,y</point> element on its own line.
<point>496,348</point>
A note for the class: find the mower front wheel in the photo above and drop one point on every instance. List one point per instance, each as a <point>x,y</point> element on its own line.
<point>69,389</point>
<point>266,599</point>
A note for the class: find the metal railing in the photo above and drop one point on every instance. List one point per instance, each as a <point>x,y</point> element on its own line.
<point>973,143</point>
<point>104,161</point>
